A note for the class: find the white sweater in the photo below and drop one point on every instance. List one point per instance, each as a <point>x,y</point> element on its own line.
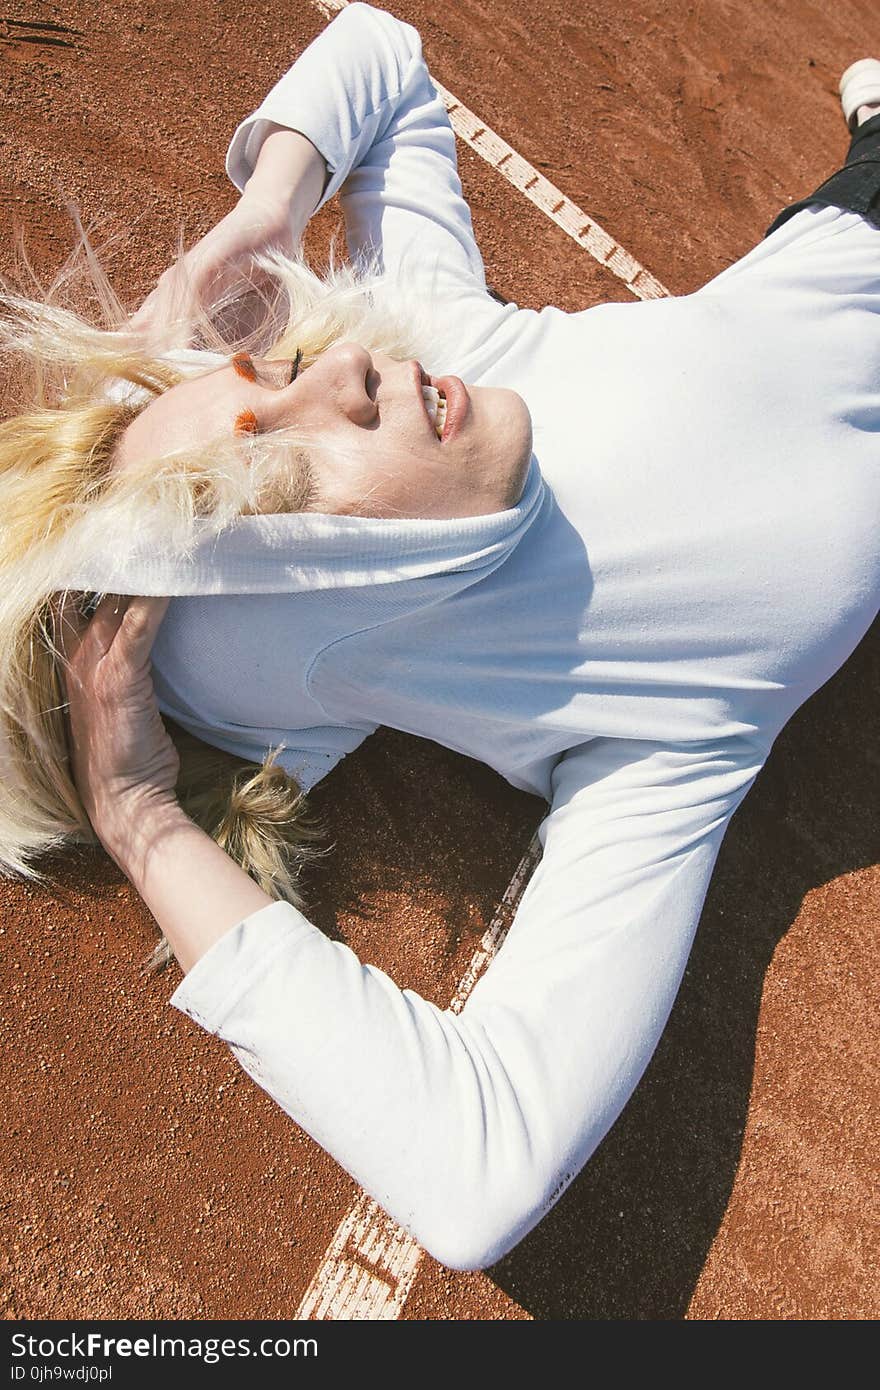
<point>693,555</point>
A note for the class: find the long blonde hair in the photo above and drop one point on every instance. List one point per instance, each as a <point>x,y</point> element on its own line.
<point>59,495</point>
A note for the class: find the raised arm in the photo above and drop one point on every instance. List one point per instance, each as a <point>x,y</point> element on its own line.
<point>357,114</point>
<point>363,97</point>
<point>466,1127</point>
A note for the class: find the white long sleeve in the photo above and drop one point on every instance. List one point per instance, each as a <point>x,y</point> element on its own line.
<point>362,94</point>
<point>468,1127</point>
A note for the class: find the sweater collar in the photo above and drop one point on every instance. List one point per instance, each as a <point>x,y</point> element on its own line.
<point>305,551</point>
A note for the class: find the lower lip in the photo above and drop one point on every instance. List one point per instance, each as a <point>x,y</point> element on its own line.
<point>458,405</point>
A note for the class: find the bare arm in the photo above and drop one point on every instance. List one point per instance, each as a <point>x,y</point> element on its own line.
<point>378,134</point>
<point>193,889</point>
<point>290,172</point>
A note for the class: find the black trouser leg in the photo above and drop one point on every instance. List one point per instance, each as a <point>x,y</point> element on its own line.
<point>856,186</point>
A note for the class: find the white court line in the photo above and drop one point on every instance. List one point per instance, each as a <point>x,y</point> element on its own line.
<point>545,195</point>
<point>371,1262</point>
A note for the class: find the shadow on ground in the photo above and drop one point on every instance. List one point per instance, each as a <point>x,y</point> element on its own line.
<point>631,1236</point>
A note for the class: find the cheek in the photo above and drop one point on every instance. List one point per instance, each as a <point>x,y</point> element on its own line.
<point>385,478</point>
<point>287,480</point>
<point>341,478</point>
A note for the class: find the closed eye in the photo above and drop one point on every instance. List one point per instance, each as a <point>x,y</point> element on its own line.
<point>243,364</point>
<point>246,421</point>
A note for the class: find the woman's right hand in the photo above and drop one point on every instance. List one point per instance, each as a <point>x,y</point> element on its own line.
<point>273,211</point>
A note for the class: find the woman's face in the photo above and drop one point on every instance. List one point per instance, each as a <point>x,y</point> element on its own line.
<point>384,456</point>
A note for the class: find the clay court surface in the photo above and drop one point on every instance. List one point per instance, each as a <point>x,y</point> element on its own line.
<point>145,1175</point>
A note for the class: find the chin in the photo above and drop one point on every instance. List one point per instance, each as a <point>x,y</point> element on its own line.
<point>517,441</point>
<point>505,435</point>
<point>510,417</point>
<point>518,481</point>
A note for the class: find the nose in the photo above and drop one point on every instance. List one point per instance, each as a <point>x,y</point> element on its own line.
<point>340,382</point>
<point>349,368</point>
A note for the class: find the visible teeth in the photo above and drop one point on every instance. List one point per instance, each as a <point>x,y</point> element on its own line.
<point>436,405</point>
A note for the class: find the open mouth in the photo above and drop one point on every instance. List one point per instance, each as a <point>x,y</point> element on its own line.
<point>435,404</point>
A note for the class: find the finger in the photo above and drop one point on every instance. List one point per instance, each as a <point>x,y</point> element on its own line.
<point>149,313</point>
<point>166,311</point>
<point>144,312</point>
<point>150,326</point>
<point>71,615</point>
<point>141,622</point>
<point>106,622</point>
<point>69,624</point>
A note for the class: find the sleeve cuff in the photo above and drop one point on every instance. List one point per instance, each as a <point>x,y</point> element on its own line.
<point>338,111</point>
<point>231,967</point>
<point>246,143</point>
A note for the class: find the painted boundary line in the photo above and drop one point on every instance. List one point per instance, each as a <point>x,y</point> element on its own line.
<point>582,229</point>
<point>553,203</point>
<point>371,1262</point>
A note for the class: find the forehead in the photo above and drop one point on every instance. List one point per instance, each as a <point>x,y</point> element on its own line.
<point>184,416</point>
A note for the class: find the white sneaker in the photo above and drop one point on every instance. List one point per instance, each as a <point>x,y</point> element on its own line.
<point>859,86</point>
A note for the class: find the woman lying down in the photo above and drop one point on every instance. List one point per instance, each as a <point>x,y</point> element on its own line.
<point>609,553</point>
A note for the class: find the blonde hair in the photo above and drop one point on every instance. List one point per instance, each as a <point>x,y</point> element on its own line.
<point>74,386</point>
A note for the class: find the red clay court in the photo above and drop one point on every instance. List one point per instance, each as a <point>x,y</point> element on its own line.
<point>147,1176</point>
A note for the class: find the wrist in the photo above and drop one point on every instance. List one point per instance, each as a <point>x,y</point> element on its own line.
<point>194,889</point>
<point>133,828</point>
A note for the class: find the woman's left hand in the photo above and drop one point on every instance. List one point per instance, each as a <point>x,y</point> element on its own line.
<point>221,264</point>
<point>273,211</point>
<point>123,762</point>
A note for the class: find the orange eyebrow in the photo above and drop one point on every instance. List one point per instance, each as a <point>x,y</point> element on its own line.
<point>242,363</point>
<point>246,423</point>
